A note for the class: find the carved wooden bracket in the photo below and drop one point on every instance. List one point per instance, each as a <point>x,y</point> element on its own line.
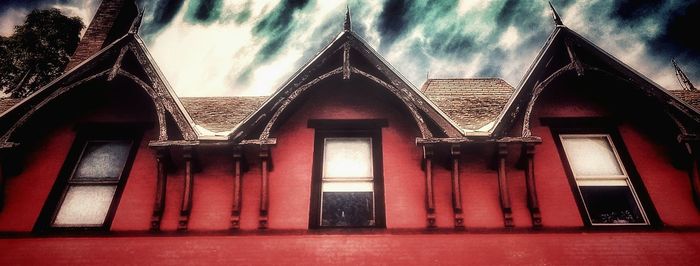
<point>532,202</point>
<point>162,158</point>
<point>264,189</point>
<point>429,195</point>
<point>693,148</point>
<point>2,180</point>
<point>237,191</point>
<point>187,192</point>
<point>346,61</point>
<point>503,185</point>
<point>578,66</point>
<point>456,187</point>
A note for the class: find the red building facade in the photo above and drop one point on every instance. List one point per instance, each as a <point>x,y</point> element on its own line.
<point>585,161</point>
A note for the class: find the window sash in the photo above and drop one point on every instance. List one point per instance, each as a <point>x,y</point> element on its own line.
<point>97,180</point>
<point>330,175</point>
<point>351,186</point>
<point>602,180</point>
<point>74,182</point>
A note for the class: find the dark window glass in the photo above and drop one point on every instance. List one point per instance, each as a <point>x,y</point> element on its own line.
<point>347,209</point>
<point>102,160</point>
<point>90,190</point>
<point>611,204</point>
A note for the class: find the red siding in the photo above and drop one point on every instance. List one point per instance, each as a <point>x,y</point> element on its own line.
<point>381,249</point>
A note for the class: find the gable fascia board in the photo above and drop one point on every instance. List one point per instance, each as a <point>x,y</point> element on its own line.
<point>45,89</point>
<point>168,89</point>
<point>635,74</point>
<point>408,84</point>
<point>277,94</point>
<point>519,91</point>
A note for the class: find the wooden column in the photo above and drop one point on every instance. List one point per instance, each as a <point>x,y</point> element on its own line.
<point>695,180</point>
<point>503,185</point>
<point>187,192</point>
<point>162,156</point>
<point>237,198</point>
<point>532,202</point>
<point>456,187</point>
<point>2,181</point>
<point>693,149</point>
<point>429,195</point>
<point>264,189</point>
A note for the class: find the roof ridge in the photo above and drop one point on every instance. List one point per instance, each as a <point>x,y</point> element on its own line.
<point>472,78</point>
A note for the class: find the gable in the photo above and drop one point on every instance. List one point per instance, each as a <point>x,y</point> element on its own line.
<point>126,58</point>
<point>568,54</point>
<point>348,57</point>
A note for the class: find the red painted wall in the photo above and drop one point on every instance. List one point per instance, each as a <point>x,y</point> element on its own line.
<point>27,192</point>
<point>668,187</point>
<point>290,181</point>
<point>380,249</point>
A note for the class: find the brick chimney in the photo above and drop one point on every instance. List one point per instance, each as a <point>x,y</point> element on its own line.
<point>111,21</point>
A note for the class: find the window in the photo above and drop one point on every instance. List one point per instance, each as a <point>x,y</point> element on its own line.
<point>86,193</point>
<point>602,181</point>
<point>347,189</point>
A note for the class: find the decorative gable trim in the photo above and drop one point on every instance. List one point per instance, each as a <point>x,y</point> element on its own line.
<point>417,104</point>
<point>164,99</point>
<point>538,78</point>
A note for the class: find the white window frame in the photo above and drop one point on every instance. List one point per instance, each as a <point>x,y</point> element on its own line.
<point>106,182</point>
<point>360,184</point>
<point>603,180</point>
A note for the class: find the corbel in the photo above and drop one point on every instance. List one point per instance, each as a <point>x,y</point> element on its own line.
<point>692,146</point>
<point>455,152</point>
<point>346,61</point>
<point>237,188</point>
<point>163,160</point>
<point>186,207</point>
<point>528,153</point>
<point>2,179</point>
<point>429,195</point>
<point>578,66</point>
<point>266,166</point>
<point>502,153</point>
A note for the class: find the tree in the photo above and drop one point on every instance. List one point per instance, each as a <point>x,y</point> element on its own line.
<point>38,51</point>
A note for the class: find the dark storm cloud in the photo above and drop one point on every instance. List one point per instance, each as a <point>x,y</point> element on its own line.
<point>394,20</point>
<point>520,14</point>
<point>273,30</point>
<point>629,10</point>
<point>28,4</point>
<point>448,38</point>
<point>206,10</point>
<point>679,39</point>
<point>162,12</point>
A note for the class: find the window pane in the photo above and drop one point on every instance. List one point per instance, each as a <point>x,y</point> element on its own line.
<point>102,160</point>
<point>347,209</point>
<point>85,205</point>
<point>347,158</point>
<point>347,186</point>
<point>591,156</point>
<point>611,205</point>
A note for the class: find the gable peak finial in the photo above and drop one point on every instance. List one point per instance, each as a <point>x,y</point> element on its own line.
<point>555,15</point>
<point>347,25</point>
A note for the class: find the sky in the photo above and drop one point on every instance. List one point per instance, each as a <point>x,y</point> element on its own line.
<point>227,48</point>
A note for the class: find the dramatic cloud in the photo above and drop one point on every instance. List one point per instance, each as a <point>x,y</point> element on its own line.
<point>215,47</point>
<point>12,12</point>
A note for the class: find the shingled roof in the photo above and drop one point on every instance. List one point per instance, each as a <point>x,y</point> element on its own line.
<point>220,114</point>
<point>471,102</point>
<point>6,103</point>
<point>690,97</point>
